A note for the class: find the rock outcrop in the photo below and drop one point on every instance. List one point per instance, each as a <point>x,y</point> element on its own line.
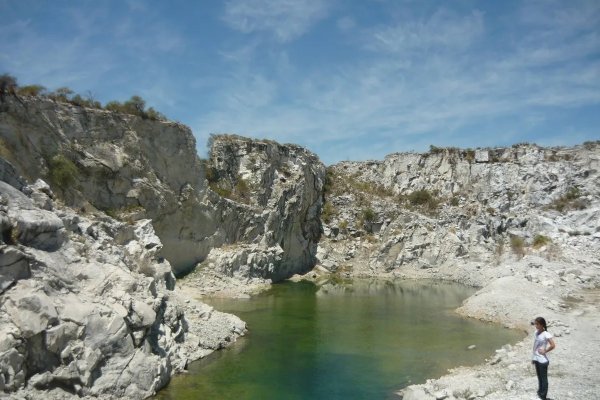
<point>439,210</point>
<point>87,307</point>
<point>278,189</point>
<point>133,168</point>
<point>88,304</point>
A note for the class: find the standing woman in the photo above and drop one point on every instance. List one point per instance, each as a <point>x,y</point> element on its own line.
<point>543,343</point>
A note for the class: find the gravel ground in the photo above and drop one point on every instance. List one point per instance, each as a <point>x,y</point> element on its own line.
<point>571,308</point>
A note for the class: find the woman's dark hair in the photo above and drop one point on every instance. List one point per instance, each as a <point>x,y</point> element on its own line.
<point>542,322</point>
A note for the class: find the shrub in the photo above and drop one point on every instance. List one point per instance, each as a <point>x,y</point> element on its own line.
<point>221,191</point>
<point>328,212</point>
<point>435,150</point>
<point>134,106</point>
<point>242,191</point>
<point>63,172</point>
<point>31,90</point>
<point>8,83</point>
<point>61,94</point>
<point>570,200</point>
<point>517,244</point>
<point>88,102</point>
<point>454,201</point>
<point>368,215</point>
<point>420,197</point>
<point>155,115</point>
<point>540,240</point>
<point>423,198</point>
<point>469,155</point>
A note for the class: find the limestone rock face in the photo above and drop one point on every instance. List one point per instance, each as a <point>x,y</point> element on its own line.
<point>135,169</point>
<point>121,164</point>
<point>88,307</point>
<point>449,207</point>
<point>280,188</point>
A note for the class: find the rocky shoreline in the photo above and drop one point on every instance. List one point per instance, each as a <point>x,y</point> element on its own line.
<point>574,319</point>
<point>538,288</point>
<point>88,308</point>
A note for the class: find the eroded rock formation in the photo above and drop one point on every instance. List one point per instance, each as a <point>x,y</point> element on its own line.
<point>449,207</point>
<point>134,168</point>
<point>87,307</point>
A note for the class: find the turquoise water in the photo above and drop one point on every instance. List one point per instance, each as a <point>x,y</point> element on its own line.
<point>358,340</point>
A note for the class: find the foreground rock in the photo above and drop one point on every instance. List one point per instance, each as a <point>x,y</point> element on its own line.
<point>87,308</point>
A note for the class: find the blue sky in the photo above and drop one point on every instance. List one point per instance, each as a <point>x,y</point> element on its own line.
<point>348,79</point>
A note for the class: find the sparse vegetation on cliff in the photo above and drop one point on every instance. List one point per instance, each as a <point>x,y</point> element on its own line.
<point>517,244</point>
<point>134,106</point>
<point>569,201</point>
<point>62,171</point>
<point>540,241</point>
<point>423,198</point>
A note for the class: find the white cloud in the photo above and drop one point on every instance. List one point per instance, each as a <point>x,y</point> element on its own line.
<point>346,24</point>
<point>407,95</point>
<point>286,19</point>
<point>443,29</point>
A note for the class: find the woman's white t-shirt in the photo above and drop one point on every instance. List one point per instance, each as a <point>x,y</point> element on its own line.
<point>540,342</point>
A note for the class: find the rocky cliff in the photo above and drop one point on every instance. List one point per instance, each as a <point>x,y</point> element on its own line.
<point>133,168</point>
<point>436,211</point>
<point>88,303</point>
<point>87,307</point>
<point>88,299</point>
<point>280,187</point>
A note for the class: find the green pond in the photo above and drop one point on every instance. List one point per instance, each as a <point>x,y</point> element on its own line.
<point>353,340</point>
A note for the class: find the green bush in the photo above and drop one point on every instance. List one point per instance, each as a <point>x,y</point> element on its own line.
<point>134,106</point>
<point>343,225</point>
<point>469,155</point>
<point>62,171</point>
<point>423,198</point>
<point>62,94</point>
<point>368,215</point>
<point>220,190</point>
<point>8,84</point>
<point>420,197</point>
<point>31,90</point>
<point>242,191</point>
<point>569,201</point>
<point>540,240</point>
<point>328,212</point>
<point>517,244</point>
<point>435,150</point>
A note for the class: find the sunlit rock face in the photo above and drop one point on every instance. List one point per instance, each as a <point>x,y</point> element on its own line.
<point>133,168</point>
<point>99,211</point>
<point>278,190</point>
<point>87,305</point>
<point>453,206</point>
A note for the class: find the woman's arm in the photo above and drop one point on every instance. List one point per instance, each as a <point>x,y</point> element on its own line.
<point>551,346</point>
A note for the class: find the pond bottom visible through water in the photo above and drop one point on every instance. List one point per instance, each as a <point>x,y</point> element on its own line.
<point>353,340</point>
